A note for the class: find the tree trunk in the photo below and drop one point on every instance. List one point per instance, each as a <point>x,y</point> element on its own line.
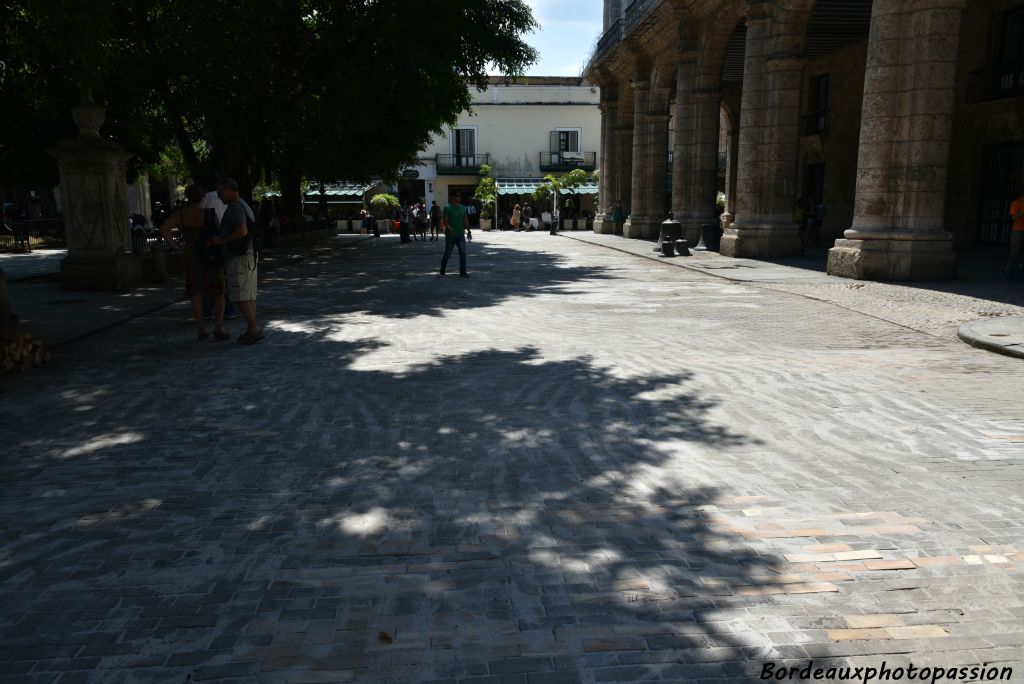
<point>6,316</point>
<point>291,193</point>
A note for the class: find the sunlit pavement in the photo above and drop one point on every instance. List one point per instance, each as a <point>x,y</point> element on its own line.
<point>576,466</point>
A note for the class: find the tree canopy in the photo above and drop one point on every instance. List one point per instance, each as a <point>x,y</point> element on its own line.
<point>332,89</point>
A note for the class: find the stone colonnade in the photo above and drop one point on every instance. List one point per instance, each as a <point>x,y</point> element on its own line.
<point>897,232</point>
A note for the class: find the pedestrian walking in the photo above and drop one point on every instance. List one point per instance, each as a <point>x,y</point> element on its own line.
<point>435,219</point>
<point>818,212</point>
<point>204,276</point>
<point>456,230</point>
<point>1015,267</point>
<point>618,218</point>
<point>527,215</point>
<point>420,222</point>
<point>517,217</point>
<point>240,253</point>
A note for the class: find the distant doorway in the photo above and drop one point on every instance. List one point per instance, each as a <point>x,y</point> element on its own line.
<point>814,182</point>
<point>1002,180</point>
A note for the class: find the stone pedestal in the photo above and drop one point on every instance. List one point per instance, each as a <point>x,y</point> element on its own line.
<point>768,143</point>
<point>898,225</point>
<point>95,203</point>
<point>875,259</point>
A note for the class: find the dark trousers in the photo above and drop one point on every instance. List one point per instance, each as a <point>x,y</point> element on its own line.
<point>1015,267</point>
<point>451,243</point>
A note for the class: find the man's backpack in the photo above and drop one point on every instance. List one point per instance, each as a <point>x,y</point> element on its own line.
<point>240,247</point>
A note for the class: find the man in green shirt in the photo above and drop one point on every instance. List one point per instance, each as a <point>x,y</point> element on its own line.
<point>456,229</point>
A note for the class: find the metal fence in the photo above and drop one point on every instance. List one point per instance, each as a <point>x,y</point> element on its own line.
<point>26,235</point>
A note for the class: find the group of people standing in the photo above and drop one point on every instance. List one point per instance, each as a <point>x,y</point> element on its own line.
<point>216,238</point>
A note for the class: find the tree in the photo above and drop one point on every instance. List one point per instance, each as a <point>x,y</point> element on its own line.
<point>571,183</point>
<point>320,88</point>
<point>486,191</point>
<point>384,205</point>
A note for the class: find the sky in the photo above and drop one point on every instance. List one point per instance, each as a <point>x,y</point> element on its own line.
<point>568,31</point>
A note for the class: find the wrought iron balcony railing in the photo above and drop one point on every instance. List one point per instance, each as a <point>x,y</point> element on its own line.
<point>567,161</point>
<point>635,13</point>
<point>985,85</point>
<point>461,164</point>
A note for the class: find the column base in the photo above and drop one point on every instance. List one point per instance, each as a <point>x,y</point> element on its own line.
<point>762,242</point>
<point>84,274</point>
<point>911,259</point>
<point>603,224</point>
<point>642,227</point>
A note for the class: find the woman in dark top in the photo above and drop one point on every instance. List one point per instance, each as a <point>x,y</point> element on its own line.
<point>200,278</point>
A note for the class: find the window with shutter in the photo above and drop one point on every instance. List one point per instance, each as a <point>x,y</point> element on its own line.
<point>568,141</point>
<point>465,146</point>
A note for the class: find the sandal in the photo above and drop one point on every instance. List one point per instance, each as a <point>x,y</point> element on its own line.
<point>220,336</point>
<point>246,338</point>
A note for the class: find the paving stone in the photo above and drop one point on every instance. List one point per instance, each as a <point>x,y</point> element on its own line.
<point>576,449</point>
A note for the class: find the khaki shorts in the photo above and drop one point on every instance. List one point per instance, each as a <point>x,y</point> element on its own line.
<point>241,279</point>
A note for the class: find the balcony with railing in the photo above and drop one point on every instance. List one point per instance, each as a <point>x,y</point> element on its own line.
<point>635,13</point>
<point>986,85</point>
<point>567,161</point>
<point>461,164</point>
<point>632,17</point>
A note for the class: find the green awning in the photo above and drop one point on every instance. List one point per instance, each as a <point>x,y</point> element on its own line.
<point>526,186</point>
<point>340,190</point>
<point>517,186</point>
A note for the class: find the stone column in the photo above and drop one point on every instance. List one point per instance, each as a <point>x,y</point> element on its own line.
<point>906,124</point>
<point>607,181</point>
<point>731,172</point>
<point>695,167</point>
<point>623,176</point>
<point>650,162</point>
<point>95,202</point>
<point>769,138</point>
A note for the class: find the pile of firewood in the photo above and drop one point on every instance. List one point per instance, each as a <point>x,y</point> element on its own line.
<point>19,352</point>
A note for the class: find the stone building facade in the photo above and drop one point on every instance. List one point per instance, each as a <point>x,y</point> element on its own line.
<point>903,118</point>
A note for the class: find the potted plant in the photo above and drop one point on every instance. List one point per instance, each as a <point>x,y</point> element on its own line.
<point>486,193</point>
<point>384,206</point>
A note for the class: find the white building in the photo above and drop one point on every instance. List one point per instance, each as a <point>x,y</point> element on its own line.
<point>523,128</point>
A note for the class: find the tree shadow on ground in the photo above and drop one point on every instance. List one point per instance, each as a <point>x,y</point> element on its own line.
<point>376,271</point>
<point>484,514</point>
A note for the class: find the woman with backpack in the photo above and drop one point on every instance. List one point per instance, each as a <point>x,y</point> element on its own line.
<point>204,272</point>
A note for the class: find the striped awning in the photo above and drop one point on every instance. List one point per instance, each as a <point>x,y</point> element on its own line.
<point>517,186</point>
<point>340,190</point>
<point>526,186</point>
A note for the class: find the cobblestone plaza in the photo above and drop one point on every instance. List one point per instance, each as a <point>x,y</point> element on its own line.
<point>577,466</point>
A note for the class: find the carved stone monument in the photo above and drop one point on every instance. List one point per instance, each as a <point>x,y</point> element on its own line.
<point>95,201</point>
